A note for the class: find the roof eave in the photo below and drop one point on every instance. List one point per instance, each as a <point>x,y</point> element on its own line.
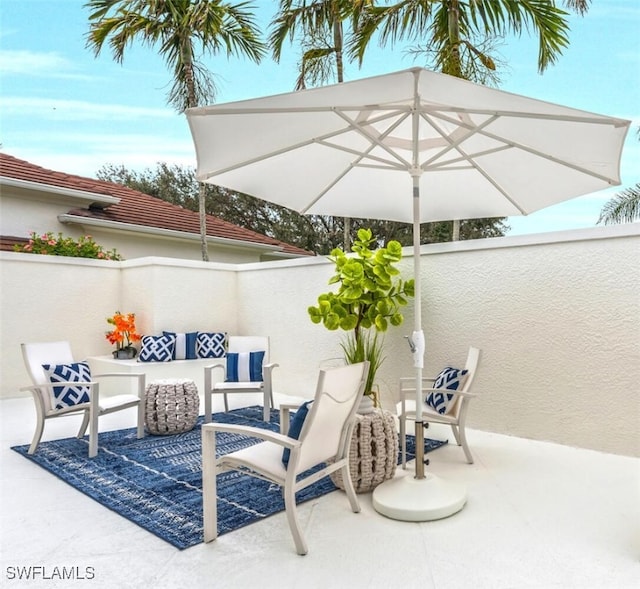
<point>170,233</point>
<point>101,200</point>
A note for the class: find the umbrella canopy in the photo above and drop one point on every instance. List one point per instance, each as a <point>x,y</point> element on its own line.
<point>345,150</point>
<point>411,146</point>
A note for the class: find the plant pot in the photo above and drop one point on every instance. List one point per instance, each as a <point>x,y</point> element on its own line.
<point>366,405</point>
<point>373,451</point>
<point>125,353</point>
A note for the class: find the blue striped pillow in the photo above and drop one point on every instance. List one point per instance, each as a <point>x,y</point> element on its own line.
<point>185,345</point>
<point>245,366</point>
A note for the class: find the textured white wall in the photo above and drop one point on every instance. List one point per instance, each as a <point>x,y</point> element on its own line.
<point>556,315</point>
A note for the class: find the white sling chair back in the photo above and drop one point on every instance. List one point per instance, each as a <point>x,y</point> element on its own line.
<point>38,354</point>
<point>240,344</point>
<point>324,439</point>
<point>456,416</point>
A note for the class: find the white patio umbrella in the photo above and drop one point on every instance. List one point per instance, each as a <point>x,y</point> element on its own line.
<point>410,146</point>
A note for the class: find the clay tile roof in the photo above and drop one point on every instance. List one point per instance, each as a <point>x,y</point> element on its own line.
<point>136,207</point>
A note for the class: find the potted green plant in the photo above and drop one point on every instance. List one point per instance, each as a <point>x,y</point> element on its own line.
<point>368,300</point>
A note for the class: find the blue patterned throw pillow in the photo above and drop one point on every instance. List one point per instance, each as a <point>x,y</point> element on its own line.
<point>211,345</point>
<point>245,366</point>
<point>296,428</point>
<point>68,395</point>
<point>450,379</point>
<point>157,348</point>
<point>185,345</point>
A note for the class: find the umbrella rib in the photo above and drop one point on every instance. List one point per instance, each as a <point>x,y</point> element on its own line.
<point>388,163</point>
<point>361,156</point>
<point>378,141</point>
<point>480,130</point>
<point>588,118</point>
<point>465,156</point>
<point>322,140</point>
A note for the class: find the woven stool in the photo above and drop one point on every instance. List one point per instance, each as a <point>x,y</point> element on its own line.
<point>373,452</point>
<point>171,406</point>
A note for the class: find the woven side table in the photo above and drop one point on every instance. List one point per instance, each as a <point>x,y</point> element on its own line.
<point>171,406</point>
<point>373,453</point>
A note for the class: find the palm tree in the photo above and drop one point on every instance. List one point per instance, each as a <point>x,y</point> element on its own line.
<point>456,32</point>
<point>460,35</point>
<point>319,25</point>
<point>624,207</point>
<point>180,29</point>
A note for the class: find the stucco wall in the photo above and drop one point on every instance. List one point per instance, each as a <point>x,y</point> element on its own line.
<point>556,316</point>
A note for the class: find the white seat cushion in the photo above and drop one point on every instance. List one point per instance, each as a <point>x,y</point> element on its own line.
<point>110,402</point>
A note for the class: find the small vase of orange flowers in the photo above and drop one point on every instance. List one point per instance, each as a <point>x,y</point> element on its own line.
<point>123,335</point>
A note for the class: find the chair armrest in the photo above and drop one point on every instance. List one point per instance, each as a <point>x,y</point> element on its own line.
<point>267,369</point>
<point>119,374</point>
<point>211,367</point>
<point>254,432</point>
<point>140,377</point>
<point>285,408</point>
<point>35,387</point>
<point>208,372</point>
<point>452,392</point>
<point>412,379</point>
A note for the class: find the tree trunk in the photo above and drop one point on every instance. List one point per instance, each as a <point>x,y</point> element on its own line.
<point>203,222</point>
<point>455,230</point>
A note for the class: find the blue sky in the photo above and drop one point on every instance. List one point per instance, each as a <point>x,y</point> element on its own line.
<point>63,108</point>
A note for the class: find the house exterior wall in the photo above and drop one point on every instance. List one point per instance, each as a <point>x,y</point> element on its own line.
<point>24,213</point>
<point>21,216</point>
<point>556,316</point>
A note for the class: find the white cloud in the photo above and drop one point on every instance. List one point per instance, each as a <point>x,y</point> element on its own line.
<point>38,64</point>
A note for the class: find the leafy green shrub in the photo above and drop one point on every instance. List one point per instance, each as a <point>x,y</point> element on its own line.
<point>368,300</point>
<point>49,244</point>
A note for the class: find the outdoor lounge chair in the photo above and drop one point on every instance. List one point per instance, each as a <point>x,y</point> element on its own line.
<point>253,377</point>
<point>64,387</point>
<point>455,409</point>
<point>324,439</point>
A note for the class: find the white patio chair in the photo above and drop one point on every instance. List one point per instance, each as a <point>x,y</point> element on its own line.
<point>456,413</point>
<point>324,439</point>
<point>244,346</point>
<point>80,390</point>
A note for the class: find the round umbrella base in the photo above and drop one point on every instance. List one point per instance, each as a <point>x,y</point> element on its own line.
<point>409,499</point>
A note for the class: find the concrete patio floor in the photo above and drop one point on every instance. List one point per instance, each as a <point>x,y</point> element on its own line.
<point>539,515</point>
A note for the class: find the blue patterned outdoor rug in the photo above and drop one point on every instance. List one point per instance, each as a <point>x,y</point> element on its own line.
<point>156,482</point>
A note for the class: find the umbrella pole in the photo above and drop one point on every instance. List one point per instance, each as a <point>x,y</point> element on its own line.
<point>418,334</point>
<point>423,497</point>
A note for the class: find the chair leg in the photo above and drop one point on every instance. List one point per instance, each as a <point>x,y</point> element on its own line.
<point>226,403</point>
<point>465,446</point>
<point>140,428</point>
<point>267,403</point>
<point>292,519</point>
<point>93,432</point>
<point>456,433</point>
<point>37,436</point>
<point>83,426</point>
<point>348,487</point>
<point>209,486</point>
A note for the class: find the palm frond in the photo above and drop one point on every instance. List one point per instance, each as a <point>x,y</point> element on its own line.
<point>622,208</point>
